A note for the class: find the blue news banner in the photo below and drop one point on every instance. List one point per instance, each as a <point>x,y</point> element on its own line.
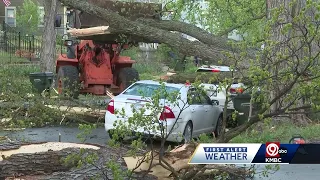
<point>269,153</point>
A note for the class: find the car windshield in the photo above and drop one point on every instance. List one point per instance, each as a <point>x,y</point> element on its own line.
<point>148,90</point>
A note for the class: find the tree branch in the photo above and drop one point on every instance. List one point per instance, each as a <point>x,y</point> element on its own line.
<point>191,30</point>
<point>238,130</point>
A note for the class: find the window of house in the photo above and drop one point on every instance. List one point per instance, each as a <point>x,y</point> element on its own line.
<point>10,16</point>
<point>41,16</point>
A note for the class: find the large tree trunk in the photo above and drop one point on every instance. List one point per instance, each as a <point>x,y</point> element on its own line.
<point>276,36</point>
<point>34,164</point>
<point>284,41</point>
<point>48,164</point>
<point>48,53</point>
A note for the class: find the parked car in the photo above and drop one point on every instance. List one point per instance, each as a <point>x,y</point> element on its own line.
<point>200,115</point>
<point>216,92</point>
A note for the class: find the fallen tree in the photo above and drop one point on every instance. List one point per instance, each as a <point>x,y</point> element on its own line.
<point>22,158</point>
<point>122,25</point>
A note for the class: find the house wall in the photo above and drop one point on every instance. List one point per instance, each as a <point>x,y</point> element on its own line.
<point>19,3</point>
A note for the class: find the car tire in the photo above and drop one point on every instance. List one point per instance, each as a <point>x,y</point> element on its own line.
<point>111,132</point>
<point>218,128</point>
<point>187,133</point>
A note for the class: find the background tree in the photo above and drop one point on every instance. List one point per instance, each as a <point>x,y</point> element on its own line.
<point>48,53</point>
<point>28,17</point>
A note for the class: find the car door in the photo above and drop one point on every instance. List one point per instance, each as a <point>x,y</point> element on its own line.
<point>211,112</point>
<point>197,111</point>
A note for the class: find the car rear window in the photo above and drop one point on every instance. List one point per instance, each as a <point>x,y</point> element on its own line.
<point>148,90</point>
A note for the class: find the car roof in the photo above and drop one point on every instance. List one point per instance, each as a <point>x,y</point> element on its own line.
<point>213,67</point>
<point>158,83</point>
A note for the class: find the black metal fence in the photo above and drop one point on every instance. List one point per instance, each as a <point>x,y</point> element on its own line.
<point>14,43</point>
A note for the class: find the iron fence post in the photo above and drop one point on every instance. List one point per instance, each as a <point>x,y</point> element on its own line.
<point>19,43</point>
<point>5,35</point>
<point>30,50</point>
<point>33,44</point>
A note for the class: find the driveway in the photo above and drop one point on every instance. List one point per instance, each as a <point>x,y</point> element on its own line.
<point>99,136</point>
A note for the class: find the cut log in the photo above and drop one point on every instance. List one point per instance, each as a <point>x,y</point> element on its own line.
<point>130,10</point>
<point>80,114</point>
<point>38,159</point>
<point>88,171</point>
<point>42,147</point>
<point>90,115</point>
<point>79,110</point>
<point>34,164</point>
<point>89,31</point>
<point>7,145</point>
<point>43,162</point>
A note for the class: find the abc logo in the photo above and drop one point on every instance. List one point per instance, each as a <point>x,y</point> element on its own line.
<point>274,150</point>
<point>283,151</point>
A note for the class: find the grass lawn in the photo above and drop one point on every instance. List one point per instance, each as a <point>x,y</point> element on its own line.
<point>282,133</point>
<point>6,58</point>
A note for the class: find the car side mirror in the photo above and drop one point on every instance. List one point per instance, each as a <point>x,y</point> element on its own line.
<point>215,102</point>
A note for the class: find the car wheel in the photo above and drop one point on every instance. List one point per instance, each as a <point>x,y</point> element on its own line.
<point>218,129</point>
<point>187,134</point>
<point>111,135</point>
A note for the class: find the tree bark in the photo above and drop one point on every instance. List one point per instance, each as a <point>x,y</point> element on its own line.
<point>49,165</point>
<point>48,53</point>
<point>191,30</point>
<point>34,164</point>
<point>284,41</point>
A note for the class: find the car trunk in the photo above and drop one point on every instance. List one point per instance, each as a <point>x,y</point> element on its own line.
<point>132,105</point>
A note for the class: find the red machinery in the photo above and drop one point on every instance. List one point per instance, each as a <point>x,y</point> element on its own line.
<point>94,64</point>
<point>100,66</point>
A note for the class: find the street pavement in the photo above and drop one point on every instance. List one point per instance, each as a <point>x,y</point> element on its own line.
<point>99,136</point>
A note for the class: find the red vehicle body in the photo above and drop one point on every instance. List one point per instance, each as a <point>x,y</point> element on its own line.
<point>93,64</point>
<point>95,69</point>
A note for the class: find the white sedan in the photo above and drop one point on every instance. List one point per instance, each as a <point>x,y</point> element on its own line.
<point>192,114</point>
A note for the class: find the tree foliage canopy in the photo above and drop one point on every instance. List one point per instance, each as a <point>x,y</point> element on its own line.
<point>28,16</point>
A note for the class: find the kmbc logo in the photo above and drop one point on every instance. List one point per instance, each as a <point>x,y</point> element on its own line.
<point>274,152</point>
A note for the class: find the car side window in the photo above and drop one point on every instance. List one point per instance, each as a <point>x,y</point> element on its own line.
<point>193,98</point>
<point>205,99</point>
